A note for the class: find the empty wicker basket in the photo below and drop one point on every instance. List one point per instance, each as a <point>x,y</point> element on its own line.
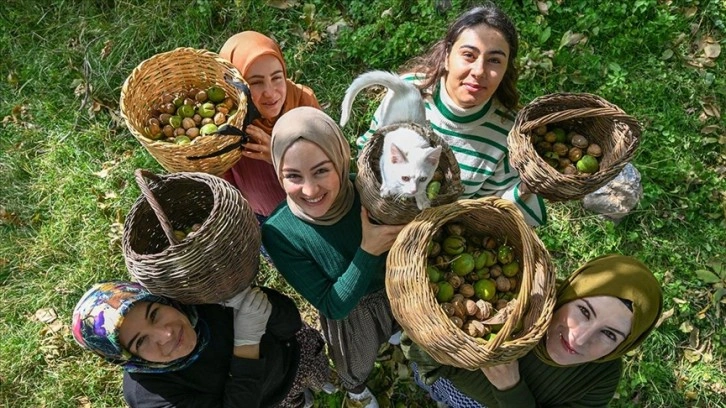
<point>400,211</point>
<point>617,133</point>
<point>212,264</point>
<point>170,72</point>
<point>416,309</point>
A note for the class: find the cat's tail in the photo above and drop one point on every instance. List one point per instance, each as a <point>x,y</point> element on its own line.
<point>403,90</point>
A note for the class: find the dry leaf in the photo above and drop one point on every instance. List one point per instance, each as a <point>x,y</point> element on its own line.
<point>106,49</point>
<point>690,11</point>
<point>102,174</point>
<point>686,327</point>
<point>712,50</point>
<point>543,8</point>
<point>709,129</point>
<point>693,339</point>
<point>665,316</point>
<point>84,402</point>
<point>46,315</point>
<point>282,4</point>
<point>679,301</point>
<point>712,110</point>
<point>691,356</point>
<point>569,39</point>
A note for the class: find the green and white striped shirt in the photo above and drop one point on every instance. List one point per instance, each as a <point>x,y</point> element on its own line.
<point>478,139</point>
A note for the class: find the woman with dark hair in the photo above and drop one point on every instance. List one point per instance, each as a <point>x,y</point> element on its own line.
<point>469,82</point>
<point>605,309</point>
<point>256,352</point>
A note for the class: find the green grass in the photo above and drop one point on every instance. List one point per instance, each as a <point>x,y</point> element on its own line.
<point>66,172</point>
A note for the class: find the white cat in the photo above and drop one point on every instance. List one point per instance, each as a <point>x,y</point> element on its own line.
<point>402,103</point>
<point>407,164</point>
<point>408,161</point>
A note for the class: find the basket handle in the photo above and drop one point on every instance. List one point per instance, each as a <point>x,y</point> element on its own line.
<point>576,113</point>
<point>141,176</point>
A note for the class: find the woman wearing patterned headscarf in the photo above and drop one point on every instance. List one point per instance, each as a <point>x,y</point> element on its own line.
<point>256,352</point>
<point>260,61</point>
<point>322,242</point>
<point>604,310</point>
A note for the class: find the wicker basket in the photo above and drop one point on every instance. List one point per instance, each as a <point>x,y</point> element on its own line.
<point>209,265</point>
<point>414,305</point>
<point>174,71</point>
<point>602,122</point>
<point>400,211</point>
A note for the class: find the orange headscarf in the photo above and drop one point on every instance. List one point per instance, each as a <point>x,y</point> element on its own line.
<point>244,48</point>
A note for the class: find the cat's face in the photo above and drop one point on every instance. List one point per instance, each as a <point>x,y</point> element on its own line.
<point>476,66</point>
<point>310,178</point>
<point>412,170</point>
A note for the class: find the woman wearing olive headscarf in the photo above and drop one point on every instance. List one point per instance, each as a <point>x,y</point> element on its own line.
<point>604,310</point>
<point>321,241</point>
<point>260,61</point>
<point>253,351</point>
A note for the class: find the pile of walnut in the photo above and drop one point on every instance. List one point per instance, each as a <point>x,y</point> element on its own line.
<point>475,279</point>
<point>568,152</point>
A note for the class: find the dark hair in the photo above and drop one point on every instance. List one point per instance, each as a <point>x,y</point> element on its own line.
<point>432,64</point>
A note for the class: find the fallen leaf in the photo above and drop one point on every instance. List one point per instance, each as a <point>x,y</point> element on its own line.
<point>84,402</point>
<point>691,356</point>
<point>679,301</point>
<point>693,339</point>
<point>282,4</point>
<point>543,8</point>
<point>667,54</point>
<point>707,130</point>
<point>686,327</point>
<point>690,11</point>
<point>46,315</point>
<point>712,50</point>
<point>110,194</point>
<point>569,39</point>
<point>102,174</point>
<point>665,316</point>
<point>712,110</point>
<point>106,49</point>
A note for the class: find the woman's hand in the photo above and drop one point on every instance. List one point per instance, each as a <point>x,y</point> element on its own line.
<point>503,376</point>
<point>258,147</point>
<point>524,191</point>
<point>377,239</point>
<point>250,318</point>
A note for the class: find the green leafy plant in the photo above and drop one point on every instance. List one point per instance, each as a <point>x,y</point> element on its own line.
<point>715,276</point>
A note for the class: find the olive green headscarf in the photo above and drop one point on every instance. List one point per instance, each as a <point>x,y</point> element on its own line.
<point>315,126</point>
<point>619,276</point>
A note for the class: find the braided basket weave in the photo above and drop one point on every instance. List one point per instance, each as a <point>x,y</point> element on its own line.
<point>171,72</point>
<point>400,211</point>
<point>617,133</point>
<point>210,265</point>
<point>416,309</point>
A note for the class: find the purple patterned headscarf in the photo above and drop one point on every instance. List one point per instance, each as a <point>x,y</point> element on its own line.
<point>99,314</point>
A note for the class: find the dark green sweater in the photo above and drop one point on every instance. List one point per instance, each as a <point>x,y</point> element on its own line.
<point>325,264</point>
<point>542,385</point>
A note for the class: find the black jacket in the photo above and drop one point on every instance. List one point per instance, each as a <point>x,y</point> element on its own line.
<point>219,379</point>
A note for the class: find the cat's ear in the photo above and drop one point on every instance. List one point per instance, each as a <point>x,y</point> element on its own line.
<point>397,155</point>
<point>432,157</point>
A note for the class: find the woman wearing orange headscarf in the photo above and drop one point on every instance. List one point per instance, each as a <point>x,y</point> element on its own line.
<point>261,63</point>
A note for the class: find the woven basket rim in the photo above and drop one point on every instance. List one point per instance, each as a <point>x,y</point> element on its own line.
<point>412,301</point>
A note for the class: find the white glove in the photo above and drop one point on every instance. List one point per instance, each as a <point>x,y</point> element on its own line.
<point>235,301</point>
<point>250,319</point>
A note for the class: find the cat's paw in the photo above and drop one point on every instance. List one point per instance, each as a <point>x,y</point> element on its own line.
<point>422,203</point>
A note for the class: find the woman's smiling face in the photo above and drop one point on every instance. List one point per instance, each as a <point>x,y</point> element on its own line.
<point>476,65</point>
<point>156,332</point>
<point>310,178</point>
<point>587,329</point>
<point>268,87</point>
